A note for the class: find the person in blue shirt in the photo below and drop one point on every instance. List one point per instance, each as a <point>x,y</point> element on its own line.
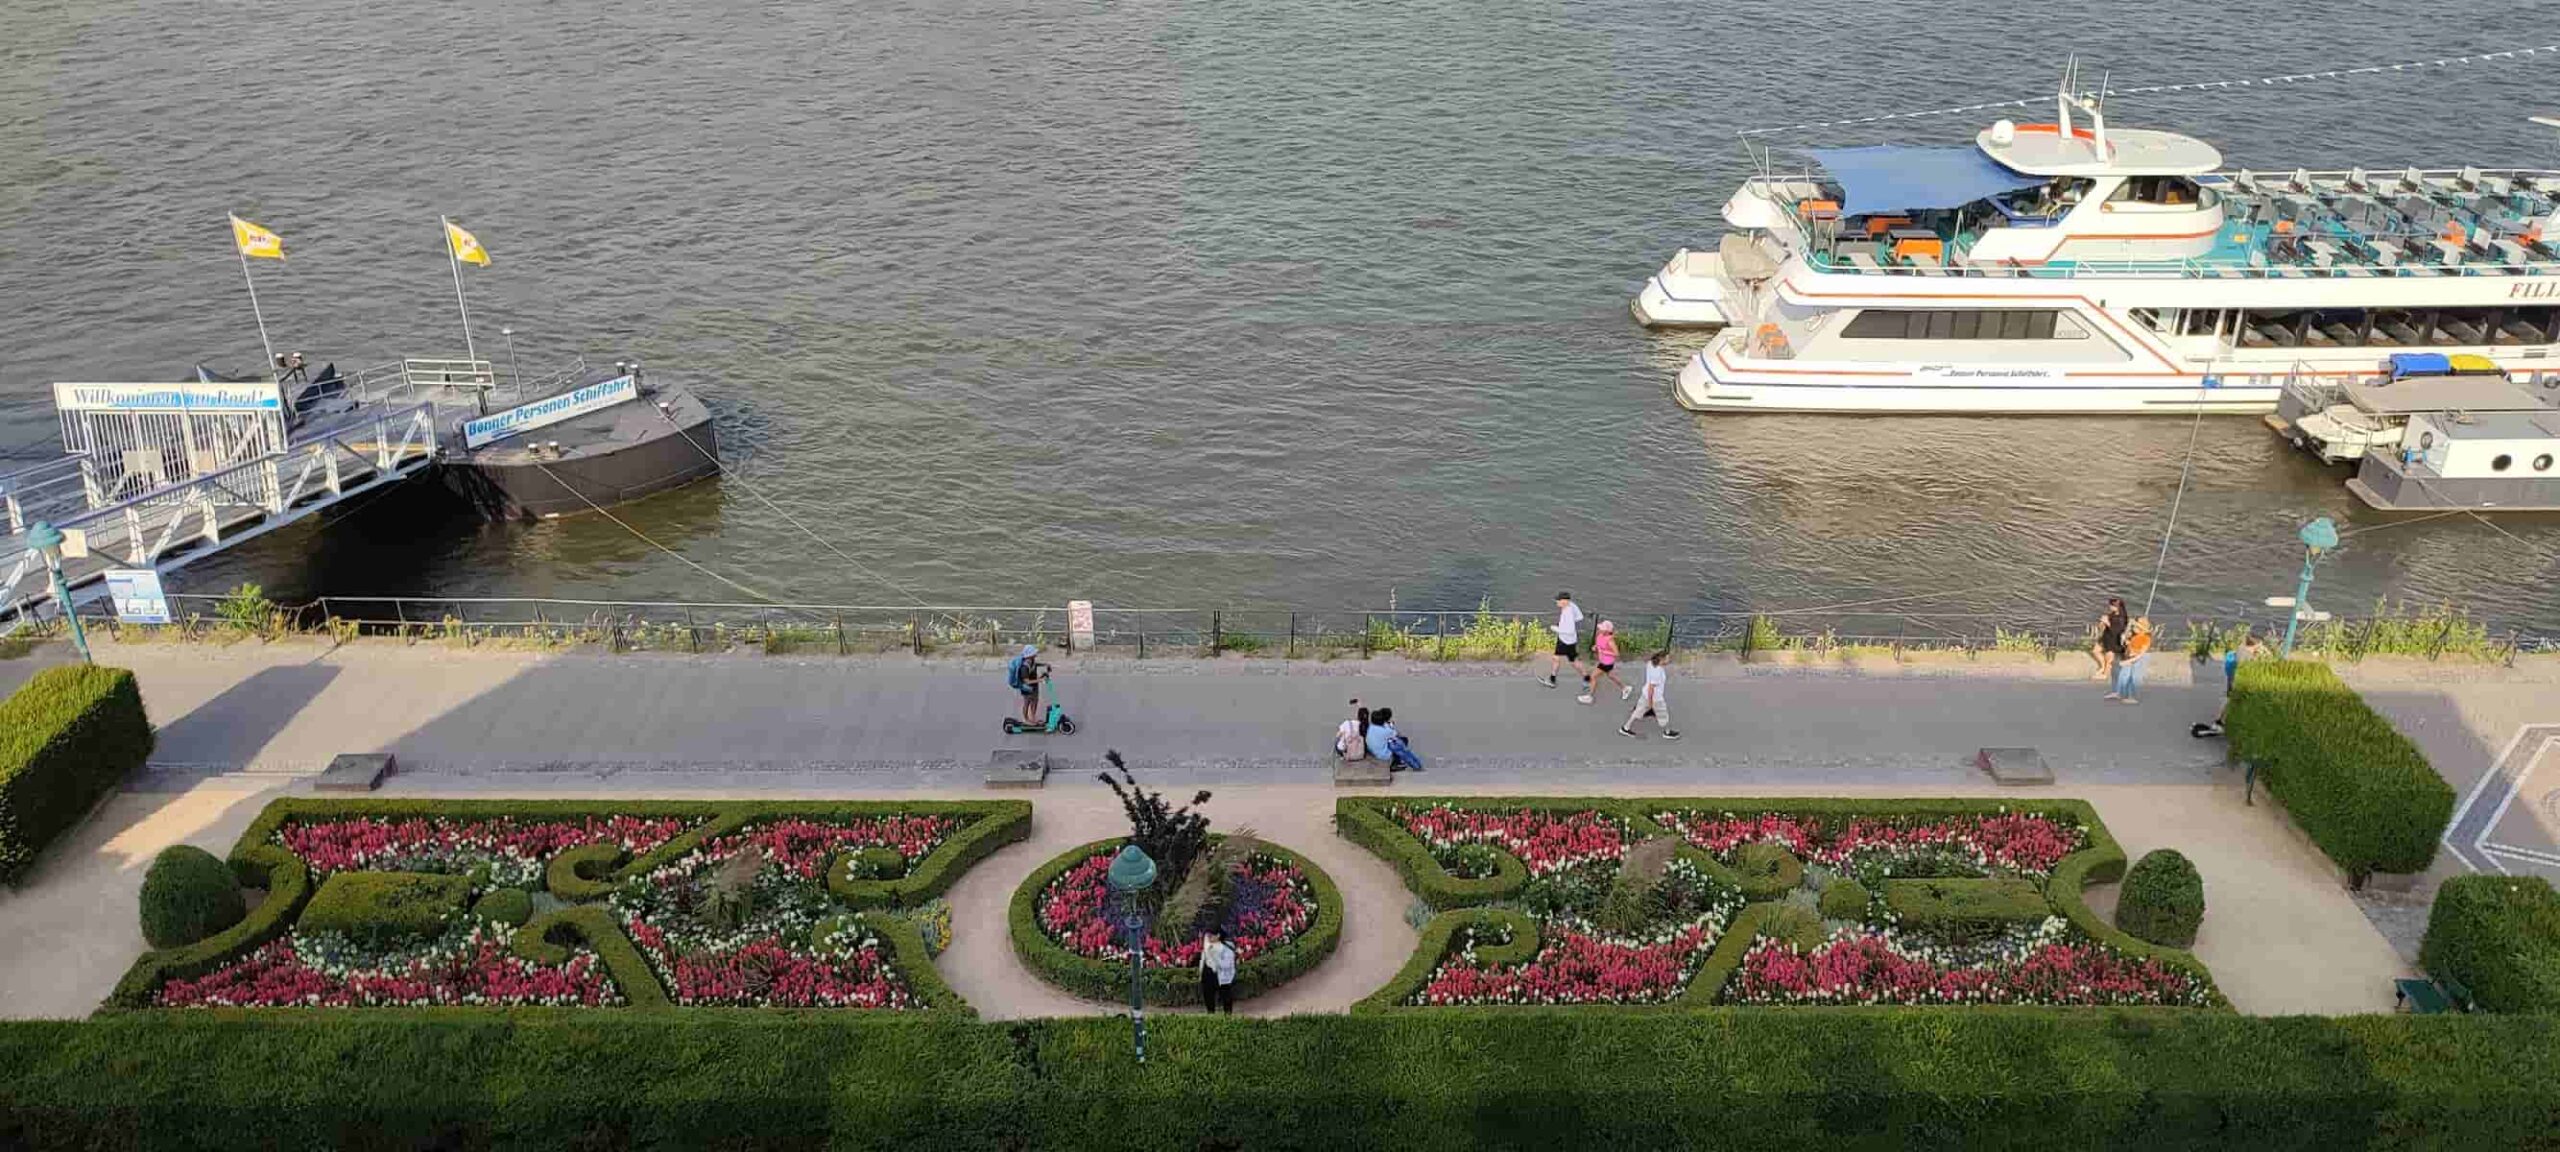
<point>1389,745</point>
<point>1022,675</point>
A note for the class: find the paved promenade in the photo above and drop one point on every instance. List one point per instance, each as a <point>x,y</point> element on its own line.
<point>241,724</point>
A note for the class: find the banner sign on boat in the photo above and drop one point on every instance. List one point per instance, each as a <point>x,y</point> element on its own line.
<point>542,413</point>
<point>209,396</point>
<point>138,595</point>
<point>1985,377</point>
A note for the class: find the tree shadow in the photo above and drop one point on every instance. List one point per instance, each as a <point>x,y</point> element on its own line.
<point>233,727</point>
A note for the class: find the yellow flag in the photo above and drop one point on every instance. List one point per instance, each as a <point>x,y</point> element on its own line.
<point>466,247</point>
<point>256,241</point>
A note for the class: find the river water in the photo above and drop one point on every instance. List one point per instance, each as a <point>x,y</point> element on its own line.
<point>1171,303</point>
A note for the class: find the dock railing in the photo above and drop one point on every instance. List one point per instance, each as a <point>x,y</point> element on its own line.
<point>1268,631</point>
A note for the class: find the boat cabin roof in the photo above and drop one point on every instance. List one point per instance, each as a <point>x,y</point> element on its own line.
<point>2041,150</point>
<point>2416,394</point>
<point>2500,426</point>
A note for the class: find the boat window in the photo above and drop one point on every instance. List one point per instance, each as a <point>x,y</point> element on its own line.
<point>2174,191</point>
<point>2502,462</point>
<point>1964,324</point>
<point>2542,463</point>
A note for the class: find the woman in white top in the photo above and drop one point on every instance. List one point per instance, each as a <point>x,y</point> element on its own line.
<point>1351,741</point>
<point>1655,701</point>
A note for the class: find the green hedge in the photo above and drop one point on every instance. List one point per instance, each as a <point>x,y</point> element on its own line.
<point>1108,980</point>
<point>1768,870</point>
<point>386,905</point>
<point>540,941</point>
<point>2162,900</point>
<point>187,895</point>
<point>1363,821</point>
<point>2500,937</point>
<point>288,884</point>
<point>590,872</point>
<point>1422,1081</point>
<point>2355,785</point>
<point>67,738</point>
<point>1966,902</point>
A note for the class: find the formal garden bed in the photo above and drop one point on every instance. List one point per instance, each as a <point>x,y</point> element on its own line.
<point>1279,911</point>
<point>644,904</point>
<point>1765,902</point>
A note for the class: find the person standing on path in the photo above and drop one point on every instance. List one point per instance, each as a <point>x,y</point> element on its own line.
<point>1568,642</point>
<point>1656,701</point>
<point>2128,679</point>
<point>2109,646</point>
<point>1217,974</point>
<point>1604,658</point>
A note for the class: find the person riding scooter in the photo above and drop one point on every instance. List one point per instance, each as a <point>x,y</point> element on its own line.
<point>1023,674</point>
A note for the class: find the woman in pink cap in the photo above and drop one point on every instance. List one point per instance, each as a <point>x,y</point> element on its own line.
<point>1604,652</point>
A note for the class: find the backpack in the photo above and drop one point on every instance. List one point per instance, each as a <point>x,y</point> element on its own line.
<point>1013,674</point>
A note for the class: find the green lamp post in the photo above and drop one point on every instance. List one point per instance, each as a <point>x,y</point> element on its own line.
<point>47,540</point>
<point>2317,537</point>
<point>1132,873</point>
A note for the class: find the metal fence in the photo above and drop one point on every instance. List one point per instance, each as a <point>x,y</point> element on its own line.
<point>1431,634</point>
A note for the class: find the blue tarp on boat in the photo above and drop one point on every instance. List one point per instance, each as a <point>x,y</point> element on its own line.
<point>1893,178</point>
<point>2420,364</point>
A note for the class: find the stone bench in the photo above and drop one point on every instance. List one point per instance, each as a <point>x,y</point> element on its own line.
<point>1368,772</point>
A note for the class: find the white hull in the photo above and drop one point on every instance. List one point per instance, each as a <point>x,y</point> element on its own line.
<point>1689,292</point>
<point>1863,389</point>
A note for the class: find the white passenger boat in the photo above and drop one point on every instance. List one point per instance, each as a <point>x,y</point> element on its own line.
<point>2074,267</point>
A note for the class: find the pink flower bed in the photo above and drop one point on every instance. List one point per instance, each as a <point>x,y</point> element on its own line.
<point>438,844</point>
<point>766,973</point>
<point>1274,904</point>
<point>1543,841</point>
<point>1874,969</point>
<point>2021,842</point>
<point>803,847</point>
<point>1574,967</point>
<point>473,968</point>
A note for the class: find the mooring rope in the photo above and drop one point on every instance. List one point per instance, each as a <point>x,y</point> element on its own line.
<point>2187,86</point>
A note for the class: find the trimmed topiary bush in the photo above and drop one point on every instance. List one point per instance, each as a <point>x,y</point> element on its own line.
<point>508,906</point>
<point>2500,937</point>
<point>385,905</point>
<point>1767,870</point>
<point>188,895</point>
<point>876,863</point>
<point>2358,788</point>
<point>2162,900</point>
<point>1845,900</point>
<point>66,738</point>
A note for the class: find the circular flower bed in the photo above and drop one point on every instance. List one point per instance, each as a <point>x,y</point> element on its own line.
<point>1280,911</point>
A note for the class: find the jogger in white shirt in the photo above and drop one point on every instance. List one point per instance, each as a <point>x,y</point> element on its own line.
<point>1655,701</point>
<point>1568,642</point>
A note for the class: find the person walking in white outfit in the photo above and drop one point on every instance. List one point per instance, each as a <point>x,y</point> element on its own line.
<point>1656,701</point>
<point>1568,642</point>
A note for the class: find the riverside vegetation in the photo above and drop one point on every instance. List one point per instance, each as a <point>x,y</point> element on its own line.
<point>245,613</point>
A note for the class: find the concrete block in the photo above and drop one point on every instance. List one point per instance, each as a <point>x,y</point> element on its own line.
<point>1017,768</point>
<point>1364,773</point>
<point>356,772</point>
<point>2016,766</point>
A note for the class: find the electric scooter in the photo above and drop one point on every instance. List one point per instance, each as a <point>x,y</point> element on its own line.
<point>1056,720</point>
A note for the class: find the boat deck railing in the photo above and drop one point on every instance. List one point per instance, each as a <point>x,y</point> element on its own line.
<point>2413,223</point>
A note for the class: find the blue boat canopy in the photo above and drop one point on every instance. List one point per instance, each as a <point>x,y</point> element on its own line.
<point>2420,364</point>
<point>1893,178</point>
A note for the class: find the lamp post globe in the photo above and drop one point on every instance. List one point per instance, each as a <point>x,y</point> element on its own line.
<point>47,541</point>
<point>1132,872</point>
<point>2318,536</point>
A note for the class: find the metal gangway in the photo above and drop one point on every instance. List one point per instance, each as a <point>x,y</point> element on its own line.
<point>160,475</point>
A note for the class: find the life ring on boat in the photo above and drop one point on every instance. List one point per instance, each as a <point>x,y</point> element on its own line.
<point>1771,341</point>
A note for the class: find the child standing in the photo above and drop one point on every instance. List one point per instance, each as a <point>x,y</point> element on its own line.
<point>1604,653</point>
<point>1656,701</point>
